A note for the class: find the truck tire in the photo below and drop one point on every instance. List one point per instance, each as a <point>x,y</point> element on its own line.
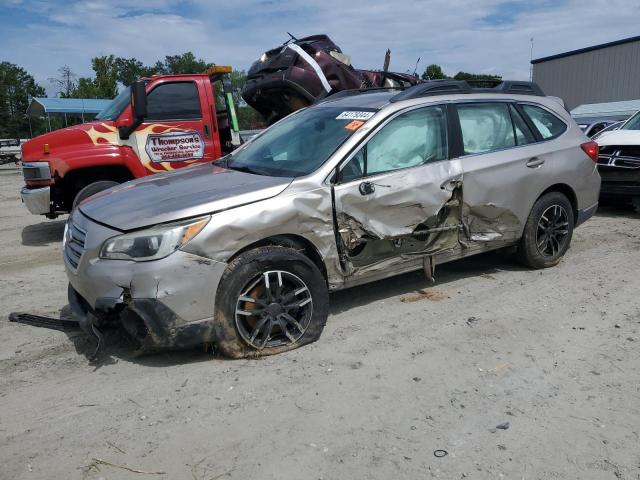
<point>92,189</point>
<point>269,300</point>
<point>548,231</point>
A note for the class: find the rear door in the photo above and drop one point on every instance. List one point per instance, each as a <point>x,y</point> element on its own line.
<point>503,170</point>
<point>178,128</point>
<point>397,196</point>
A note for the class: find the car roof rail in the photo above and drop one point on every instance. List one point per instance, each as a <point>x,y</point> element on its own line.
<point>357,91</point>
<point>452,87</point>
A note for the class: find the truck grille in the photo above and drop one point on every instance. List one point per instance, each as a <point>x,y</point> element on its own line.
<point>620,157</point>
<point>74,244</point>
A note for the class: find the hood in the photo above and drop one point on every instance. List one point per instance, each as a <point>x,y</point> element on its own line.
<point>188,192</point>
<point>619,137</point>
<point>64,142</point>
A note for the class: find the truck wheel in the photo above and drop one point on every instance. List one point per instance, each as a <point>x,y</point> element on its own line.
<point>92,189</point>
<point>547,233</point>
<point>269,300</point>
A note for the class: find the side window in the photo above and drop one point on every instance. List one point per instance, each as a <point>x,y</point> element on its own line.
<point>545,122</point>
<point>485,127</point>
<point>523,134</point>
<point>411,139</point>
<point>174,101</point>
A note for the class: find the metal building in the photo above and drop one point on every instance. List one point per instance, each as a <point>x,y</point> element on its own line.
<point>603,73</point>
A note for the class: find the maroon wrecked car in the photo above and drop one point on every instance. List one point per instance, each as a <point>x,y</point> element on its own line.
<point>302,71</point>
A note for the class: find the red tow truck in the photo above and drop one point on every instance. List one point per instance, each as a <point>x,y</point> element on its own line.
<point>156,125</point>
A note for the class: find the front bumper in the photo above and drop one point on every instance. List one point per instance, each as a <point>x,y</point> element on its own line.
<point>162,303</point>
<point>37,200</point>
<point>619,182</point>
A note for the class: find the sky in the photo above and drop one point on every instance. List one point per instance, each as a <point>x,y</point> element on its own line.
<point>477,36</point>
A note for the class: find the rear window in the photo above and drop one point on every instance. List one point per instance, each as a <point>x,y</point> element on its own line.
<point>547,124</point>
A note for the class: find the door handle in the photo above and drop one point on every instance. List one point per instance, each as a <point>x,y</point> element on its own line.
<point>206,131</point>
<point>366,188</point>
<point>535,162</point>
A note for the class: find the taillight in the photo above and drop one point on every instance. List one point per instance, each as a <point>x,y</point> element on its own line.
<point>591,149</point>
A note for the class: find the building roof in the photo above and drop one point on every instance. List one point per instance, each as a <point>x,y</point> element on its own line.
<point>40,106</point>
<point>587,49</point>
<point>608,109</point>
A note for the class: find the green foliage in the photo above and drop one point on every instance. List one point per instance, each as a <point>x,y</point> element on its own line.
<point>185,63</point>
<point>16,88</point>
<point>433,72</point>
<point>130,69</point>
<point>475,76</point>
<point>249,119</point>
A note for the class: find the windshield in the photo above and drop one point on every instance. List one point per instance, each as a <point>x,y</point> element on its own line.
<point>116,106</point>
<point>300,143</point>
<point>633,123</point>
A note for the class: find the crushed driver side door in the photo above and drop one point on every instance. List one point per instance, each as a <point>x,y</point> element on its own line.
<point>400,195</point>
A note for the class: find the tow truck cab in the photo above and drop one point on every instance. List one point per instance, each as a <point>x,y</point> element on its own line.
<point>156,125</point>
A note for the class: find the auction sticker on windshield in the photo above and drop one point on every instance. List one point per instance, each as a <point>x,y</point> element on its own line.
<point>355,115</point>
<point>174,146</point>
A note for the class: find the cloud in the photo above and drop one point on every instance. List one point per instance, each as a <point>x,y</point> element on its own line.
<point>475,36</point>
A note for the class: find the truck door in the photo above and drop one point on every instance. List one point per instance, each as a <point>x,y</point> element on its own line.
<point>178,130</point>
<point>398,196</point>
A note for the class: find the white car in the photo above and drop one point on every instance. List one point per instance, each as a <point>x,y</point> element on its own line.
<point>619,162</point>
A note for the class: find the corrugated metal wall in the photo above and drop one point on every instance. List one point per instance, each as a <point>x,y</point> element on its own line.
<point>604,75</point>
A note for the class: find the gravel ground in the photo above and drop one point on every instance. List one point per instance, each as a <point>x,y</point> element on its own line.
<point>403,369</point>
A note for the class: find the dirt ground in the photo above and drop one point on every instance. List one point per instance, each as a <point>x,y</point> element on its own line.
<point>403,369</point>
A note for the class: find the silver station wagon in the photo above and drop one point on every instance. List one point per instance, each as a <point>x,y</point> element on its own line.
<point>243,252</point>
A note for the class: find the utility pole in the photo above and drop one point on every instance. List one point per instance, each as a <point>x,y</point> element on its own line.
<point>530,60</point>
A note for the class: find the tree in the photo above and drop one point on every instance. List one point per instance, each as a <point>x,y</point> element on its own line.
<point>476,76</point>
<point>106,80</point>
<point>105,83</point>
<point>129,70</point>
<point>185,63</point>
<point>16,89</point>
<point>433,72</point>
<point>65,83</point>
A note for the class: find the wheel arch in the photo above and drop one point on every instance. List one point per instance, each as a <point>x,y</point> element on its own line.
<point>288,240</point>
<point>79,178</point>
<point>568,192</point>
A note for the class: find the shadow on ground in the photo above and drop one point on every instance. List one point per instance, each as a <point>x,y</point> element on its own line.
<point>415,282</point>
<point>43,233</point>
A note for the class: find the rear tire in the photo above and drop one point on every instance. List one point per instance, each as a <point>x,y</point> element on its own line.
<point>269,300</point>
<point>548,231</point>
<point>92,189</point>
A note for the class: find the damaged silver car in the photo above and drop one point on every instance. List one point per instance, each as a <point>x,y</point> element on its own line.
<point>243,252</point>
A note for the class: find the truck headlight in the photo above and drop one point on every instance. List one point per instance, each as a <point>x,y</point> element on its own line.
<point>153,243</point>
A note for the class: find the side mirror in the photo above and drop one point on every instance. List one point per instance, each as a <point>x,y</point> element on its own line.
<point>138,108</point>
<point>139,99</point>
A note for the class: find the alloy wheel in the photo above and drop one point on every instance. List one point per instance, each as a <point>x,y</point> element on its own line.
<point>553,231</point>
<point>273,310</point>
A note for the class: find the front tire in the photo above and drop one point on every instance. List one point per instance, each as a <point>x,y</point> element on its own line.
<point>92,189</point>
<point>269,300</point>
<point>548,231</point>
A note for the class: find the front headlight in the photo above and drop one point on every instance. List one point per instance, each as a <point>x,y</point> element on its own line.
<point>153,243</point>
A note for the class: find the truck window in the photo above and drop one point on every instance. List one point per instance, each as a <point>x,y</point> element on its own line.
<point>174,101</point>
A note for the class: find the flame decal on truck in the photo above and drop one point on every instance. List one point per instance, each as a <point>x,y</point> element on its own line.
<point>152,160</point>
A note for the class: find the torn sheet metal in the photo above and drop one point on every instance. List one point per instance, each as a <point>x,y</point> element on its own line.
<point>487,223</point>
<point>408,213</point>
